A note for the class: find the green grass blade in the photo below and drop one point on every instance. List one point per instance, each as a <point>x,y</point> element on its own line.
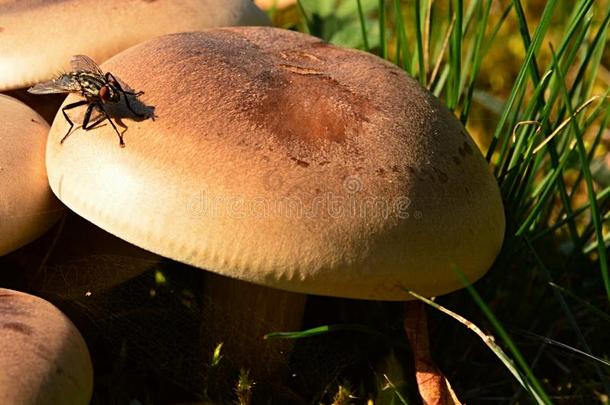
<point>520,83</point>
<point>568,313</point>
<point>421,73</point>
<point>547,186</point>
<point>441,82</point>
<point>383,46</point>
<point>525,36</point>
<point>601,197</point>
<point>537,103</point>
<point>477,58</point>
<point>322,330</point>
<point>494,32</point>
<point>365,37</point>
<point>581,353</point>
<point>432,81</point>
<point>395,391</point>
<point>455,55</point>
<point>590,248</point>
<point>582,154</point>
<point>598,312</point>
<point>402,42</point>
<point>534,387</point>
<point>590,61</point>
<point>592,150</point>
<point>490,342</point>
<point>546,193</point>
<point>523,136</point>
<point>306,22</point>
<point>427,34</point>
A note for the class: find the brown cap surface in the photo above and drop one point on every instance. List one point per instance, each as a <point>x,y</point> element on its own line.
<point>279,159</point>
<point>43,357</point>
<point>38,37</point>
<point>27,206</point>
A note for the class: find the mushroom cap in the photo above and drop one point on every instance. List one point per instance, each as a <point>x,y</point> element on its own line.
<point>43,357</point>
<point>27,206</point>
<point>281,160</point>
<point>38,37</point>
<point>277,4</point>
<point>85,260</point>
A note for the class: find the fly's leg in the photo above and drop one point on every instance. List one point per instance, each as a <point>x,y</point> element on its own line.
<point>87,117</point>
<point>131,93</point>
<point>121,143</point>
<point>105,116</point>
<point>109,77</point>
<point>69,107</point>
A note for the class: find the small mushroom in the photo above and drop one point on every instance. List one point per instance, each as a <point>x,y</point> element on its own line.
<point>43,357</point>
<point>38,37</point>
<point>283,161</point>
<point>27,206</point>
<point>82,260</point>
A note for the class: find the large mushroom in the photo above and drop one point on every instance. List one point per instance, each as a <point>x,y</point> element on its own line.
<point>43,358</point>
<point>286,162</point>
<point>27,206</point>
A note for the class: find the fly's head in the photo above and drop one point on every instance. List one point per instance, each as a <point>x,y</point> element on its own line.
<point>109,93</point>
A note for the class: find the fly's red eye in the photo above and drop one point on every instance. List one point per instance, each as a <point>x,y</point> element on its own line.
<point>104,93</point>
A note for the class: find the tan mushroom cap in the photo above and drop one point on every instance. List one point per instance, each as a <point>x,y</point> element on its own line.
<point>43,357</point>
<point>278,159</point>
<point>277,4</point>
<point>38,37</point>
<point>27,206</point>
<point>85,260</point>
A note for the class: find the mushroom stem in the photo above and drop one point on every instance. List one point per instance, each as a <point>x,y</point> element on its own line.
<point>239,314</point>
<point>434,388</point>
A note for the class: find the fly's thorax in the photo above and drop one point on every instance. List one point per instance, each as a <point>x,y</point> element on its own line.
<point>90,83</point>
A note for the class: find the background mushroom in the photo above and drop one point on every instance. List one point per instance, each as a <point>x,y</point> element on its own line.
<point>43,357</point>
<point>78,259</point>
<point>27,206</point>
<point>37,38</point>
<point>274,4</point>
<point>290,163</point>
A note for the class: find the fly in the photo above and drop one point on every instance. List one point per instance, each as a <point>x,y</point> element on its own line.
<point>98,89</point>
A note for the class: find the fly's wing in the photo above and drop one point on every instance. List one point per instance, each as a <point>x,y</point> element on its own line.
<point>63,84</point>
<point>83,63</point>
